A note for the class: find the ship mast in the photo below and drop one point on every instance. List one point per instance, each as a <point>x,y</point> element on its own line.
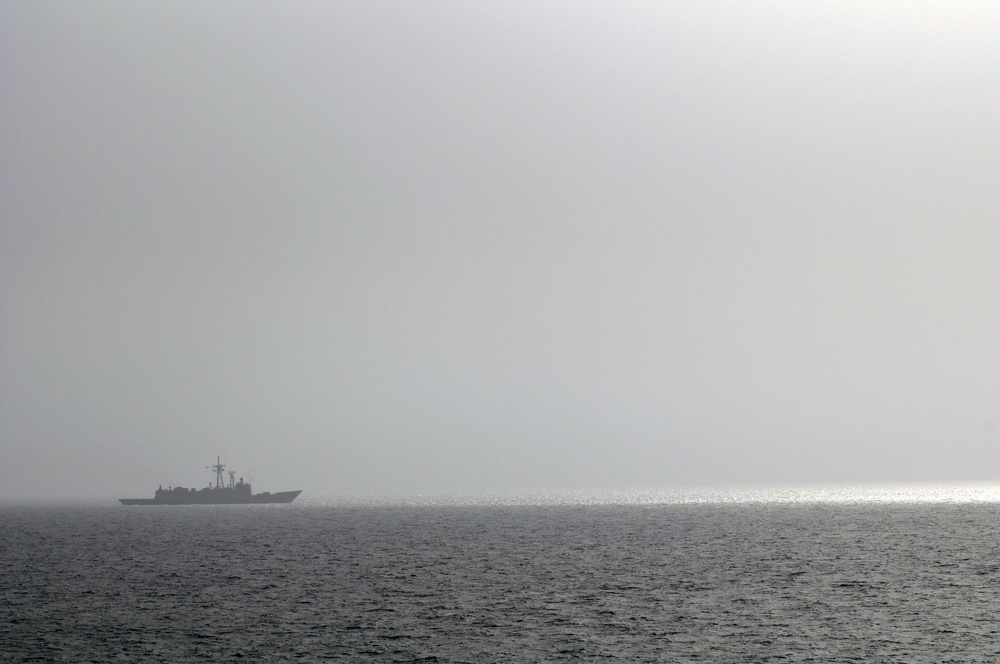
<point>218,468</point>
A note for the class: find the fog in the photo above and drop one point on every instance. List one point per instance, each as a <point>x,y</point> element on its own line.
<point>378,248</point>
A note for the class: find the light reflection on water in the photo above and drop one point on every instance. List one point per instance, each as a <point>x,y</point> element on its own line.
<point>834,493</point>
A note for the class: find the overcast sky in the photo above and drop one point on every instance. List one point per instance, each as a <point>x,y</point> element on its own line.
<point>364,248</point>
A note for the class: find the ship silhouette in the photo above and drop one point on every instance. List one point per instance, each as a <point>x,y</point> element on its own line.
<point>235,493</point>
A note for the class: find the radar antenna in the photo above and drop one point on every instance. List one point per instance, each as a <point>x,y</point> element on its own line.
<point>232,480</point>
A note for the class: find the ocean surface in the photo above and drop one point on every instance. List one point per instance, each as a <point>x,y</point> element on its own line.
<point>842,575</point>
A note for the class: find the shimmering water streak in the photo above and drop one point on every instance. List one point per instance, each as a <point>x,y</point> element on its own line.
<point>816,494</point>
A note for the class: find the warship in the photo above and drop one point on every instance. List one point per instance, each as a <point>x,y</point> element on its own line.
<point>235,493</point>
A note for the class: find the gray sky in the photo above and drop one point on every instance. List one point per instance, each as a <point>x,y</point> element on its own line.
<point>368,248</point>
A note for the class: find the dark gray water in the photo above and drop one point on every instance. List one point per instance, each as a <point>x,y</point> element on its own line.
<point>657,583</point>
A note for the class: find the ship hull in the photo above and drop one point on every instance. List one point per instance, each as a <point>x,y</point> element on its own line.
<point>214,498</point>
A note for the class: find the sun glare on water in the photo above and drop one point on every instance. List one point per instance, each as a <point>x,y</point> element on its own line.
<point>814,494</point>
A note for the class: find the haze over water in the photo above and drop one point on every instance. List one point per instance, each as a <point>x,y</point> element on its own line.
<point>468,274</point>
<point>450,247</point>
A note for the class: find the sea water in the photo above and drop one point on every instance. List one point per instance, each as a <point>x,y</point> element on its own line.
<point>899,575</point>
